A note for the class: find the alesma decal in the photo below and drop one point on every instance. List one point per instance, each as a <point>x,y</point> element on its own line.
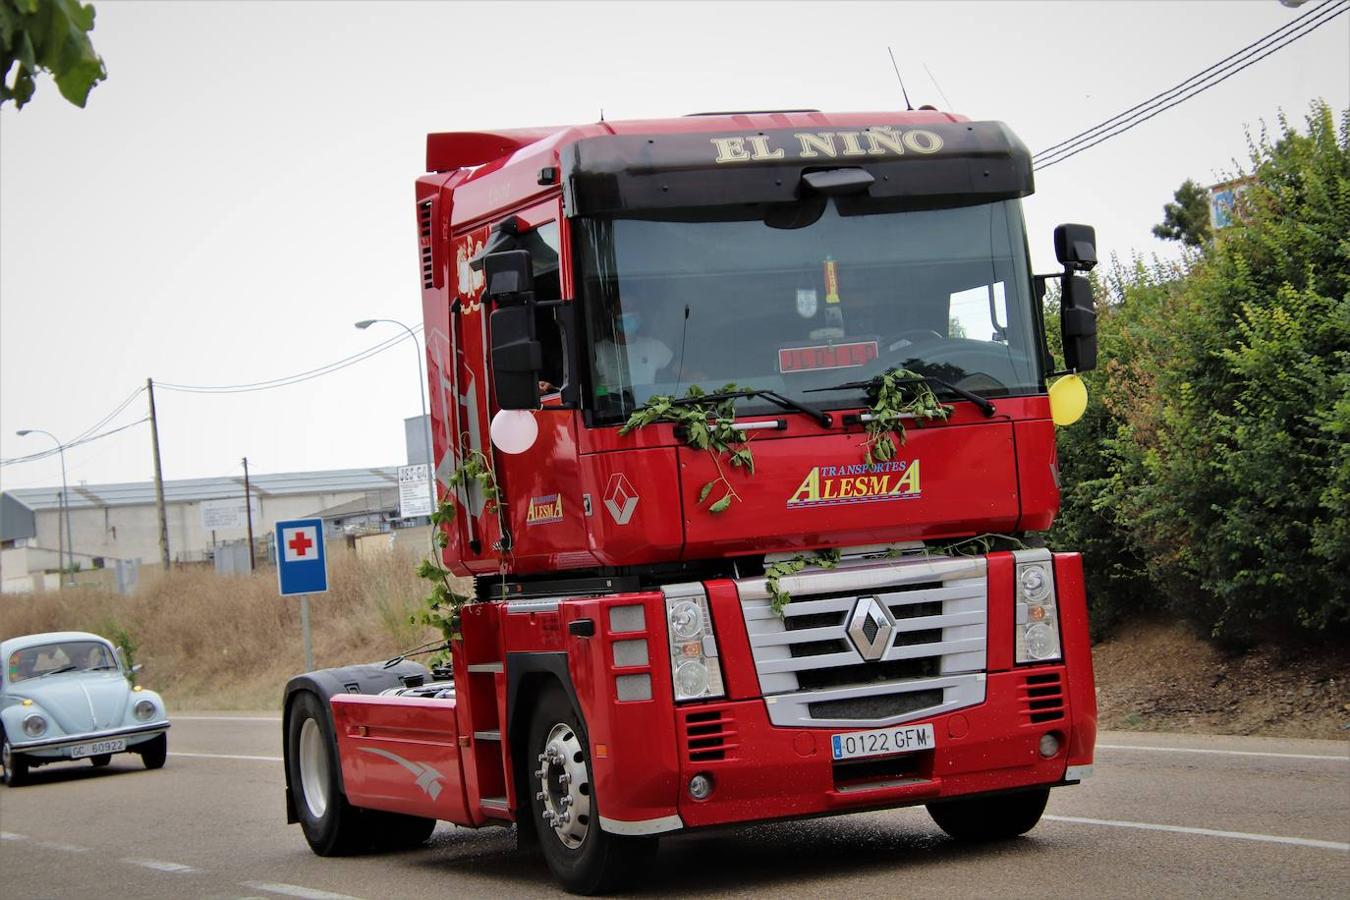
<point>544,510</point>
<point>858,483</point>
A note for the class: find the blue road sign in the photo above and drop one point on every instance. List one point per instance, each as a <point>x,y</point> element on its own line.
<point>302,567</point>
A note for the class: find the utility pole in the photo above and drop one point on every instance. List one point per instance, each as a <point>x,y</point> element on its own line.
<point>159,480</point>
<point>248,512</point>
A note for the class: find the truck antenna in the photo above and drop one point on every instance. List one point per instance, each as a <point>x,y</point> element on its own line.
<point>909,106</point>
<point>938,86</point>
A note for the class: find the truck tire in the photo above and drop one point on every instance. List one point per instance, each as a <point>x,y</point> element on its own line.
<point>13,766</point>
<point>332,826</point>
<point>990,818</point>
<point>155,751</point>
<point>584,859</point>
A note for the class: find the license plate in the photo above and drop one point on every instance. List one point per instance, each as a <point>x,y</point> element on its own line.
<point>901,739</point>
<point>98,748</point>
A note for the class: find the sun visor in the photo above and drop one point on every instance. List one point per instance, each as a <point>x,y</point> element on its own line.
<point>628,175</point>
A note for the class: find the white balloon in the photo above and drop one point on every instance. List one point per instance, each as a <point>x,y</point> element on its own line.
<point>514,430</point>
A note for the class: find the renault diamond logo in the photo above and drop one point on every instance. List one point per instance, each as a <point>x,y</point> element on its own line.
<point>870,627</point>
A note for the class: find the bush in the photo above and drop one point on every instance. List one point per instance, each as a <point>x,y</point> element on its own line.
<point>1216,471</point>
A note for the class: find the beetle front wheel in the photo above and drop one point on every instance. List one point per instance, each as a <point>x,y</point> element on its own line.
<point>13,766</point>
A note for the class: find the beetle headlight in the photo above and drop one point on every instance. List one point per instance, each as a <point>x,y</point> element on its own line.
<point>693,648</point>
<point>35,725</point>
<point>144,709</point>
<point>1036,622</point>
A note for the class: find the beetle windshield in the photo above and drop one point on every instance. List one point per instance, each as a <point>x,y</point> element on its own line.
<point>805,296</point>
<point>64,656</point>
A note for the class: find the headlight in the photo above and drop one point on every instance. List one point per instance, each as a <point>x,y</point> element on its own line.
<point>35,725</point>
<point>144,709</point>
<point>693,648</point>
<point>1036,622</point>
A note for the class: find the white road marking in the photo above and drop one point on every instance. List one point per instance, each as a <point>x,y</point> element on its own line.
<point>177,718</point>
<point>1204,832</point>
<point>57,845</point>
<point>11,836</point>
<point>162,866</point>
<point>294,890</point>
<point>1221,752</point>
<point>227,756</point>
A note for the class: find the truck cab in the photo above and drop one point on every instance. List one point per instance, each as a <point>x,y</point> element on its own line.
<point>672,631</point>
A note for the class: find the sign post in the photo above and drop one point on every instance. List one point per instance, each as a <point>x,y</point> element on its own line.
<point>302,569</point>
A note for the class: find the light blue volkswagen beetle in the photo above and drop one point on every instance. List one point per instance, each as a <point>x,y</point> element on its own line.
<point>65,696</point>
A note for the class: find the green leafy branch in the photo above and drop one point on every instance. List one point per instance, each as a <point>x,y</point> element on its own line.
<point>821,559</point>
<point>705,426</point>
<point>50,36</point>
<point>442,606</point>
<point>891,396</point>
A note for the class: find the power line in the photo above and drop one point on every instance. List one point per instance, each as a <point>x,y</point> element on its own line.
<point>287,380</point>
<point>1191,87</point>
<point>34,457</point>
<point>1288,26</point>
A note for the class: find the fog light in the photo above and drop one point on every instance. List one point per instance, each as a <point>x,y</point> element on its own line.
<point>700,786</point>
<point>1049,744</point>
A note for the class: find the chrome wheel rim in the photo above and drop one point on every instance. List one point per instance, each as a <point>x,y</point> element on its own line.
<point>313,758</point>
<point>6,757</point>
<point>564,787</point>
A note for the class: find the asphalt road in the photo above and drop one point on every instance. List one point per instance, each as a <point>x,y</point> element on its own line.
<point>1163,815</point>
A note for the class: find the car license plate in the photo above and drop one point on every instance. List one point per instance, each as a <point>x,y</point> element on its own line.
<point>900,739</point>
<point>98,748</point>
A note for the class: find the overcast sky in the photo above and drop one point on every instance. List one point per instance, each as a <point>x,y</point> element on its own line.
<point>239,191</point>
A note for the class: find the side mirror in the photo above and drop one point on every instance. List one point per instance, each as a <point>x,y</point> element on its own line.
<point>508,272</point>
<point>1076,247</point>
<point>1078,323</point>
<point>517,357</point>
<point>136,668</point>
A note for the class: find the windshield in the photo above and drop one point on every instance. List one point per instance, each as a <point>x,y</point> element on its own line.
<point>69,656</point>
<point>805,297</point>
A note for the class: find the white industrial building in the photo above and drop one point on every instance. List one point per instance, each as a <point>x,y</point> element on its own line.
<point>111,522</point>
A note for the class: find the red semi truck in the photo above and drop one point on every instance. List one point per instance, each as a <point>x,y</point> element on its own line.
<point>663,640</point>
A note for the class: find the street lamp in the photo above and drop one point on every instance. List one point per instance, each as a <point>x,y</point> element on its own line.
<point>422,393</point>
<point>68,562</point>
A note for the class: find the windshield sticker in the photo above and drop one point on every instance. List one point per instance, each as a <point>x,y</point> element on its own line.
<point>858,483</point>
<point>879,140</point>
<point>544,510</point>
<point>826,356</point>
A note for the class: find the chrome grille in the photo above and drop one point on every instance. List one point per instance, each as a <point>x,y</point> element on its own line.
<point>818,663</point>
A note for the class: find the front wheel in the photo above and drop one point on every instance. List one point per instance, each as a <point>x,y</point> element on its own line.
<point>13,766</point>
<point>990,818</point>
<point>154,751</point>
<point>583,858</point>
<point>332,826</point>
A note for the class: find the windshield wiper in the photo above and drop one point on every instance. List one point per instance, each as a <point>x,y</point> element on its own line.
<point>983,403</point>
<point>824,419</point>
<point>68,668</point>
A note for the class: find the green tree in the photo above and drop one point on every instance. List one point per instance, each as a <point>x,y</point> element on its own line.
<point>50,36</point>
<point>1218,464</point>
<point>1186,219</point>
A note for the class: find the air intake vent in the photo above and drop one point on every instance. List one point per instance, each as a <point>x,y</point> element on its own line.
<point>710,735</point>
<point>424,239</point>
<point>1043,698</point>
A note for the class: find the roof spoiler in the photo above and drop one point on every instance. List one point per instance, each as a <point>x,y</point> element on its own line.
<point>450,150</point>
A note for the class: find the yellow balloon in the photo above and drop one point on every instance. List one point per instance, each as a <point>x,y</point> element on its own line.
<point>1068,400</point>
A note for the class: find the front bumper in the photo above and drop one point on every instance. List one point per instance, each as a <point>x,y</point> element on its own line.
<point>59,747</point>
<point>761,771</point>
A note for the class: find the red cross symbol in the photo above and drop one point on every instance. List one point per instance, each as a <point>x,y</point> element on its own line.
<point>300,543</point>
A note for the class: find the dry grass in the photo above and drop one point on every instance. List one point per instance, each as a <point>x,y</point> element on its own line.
<point>219,642</point>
